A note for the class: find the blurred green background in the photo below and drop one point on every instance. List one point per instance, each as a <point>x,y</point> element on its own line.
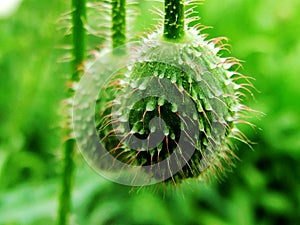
<point>264,186</point>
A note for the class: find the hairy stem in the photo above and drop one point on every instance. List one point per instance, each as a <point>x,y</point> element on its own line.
<point>174,19</point>
<point>118,27</point>
<point>66,185</point>
<point>78,20</point>
<point>78,35</point>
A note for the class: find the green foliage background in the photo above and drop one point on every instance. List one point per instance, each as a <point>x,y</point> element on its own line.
<point>264,186</point>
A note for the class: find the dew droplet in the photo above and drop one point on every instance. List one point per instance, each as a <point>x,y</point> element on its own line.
<point>161,101</point>
<point>173,78</point>
<point>172,136</point>
<point>150,106</point>
<point>195,116</point>
<point>166,131</point>
<point>174,108</point>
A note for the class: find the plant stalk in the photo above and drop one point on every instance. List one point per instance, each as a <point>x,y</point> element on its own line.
<point>79,42</point>
<point>174,19</point>
<point>78,53</point>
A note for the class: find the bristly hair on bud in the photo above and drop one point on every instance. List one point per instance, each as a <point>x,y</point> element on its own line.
<point>174,110</point>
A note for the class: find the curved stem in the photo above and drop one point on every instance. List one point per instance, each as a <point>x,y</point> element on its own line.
<point>118,27</point>
<point>174,19</point>
<point>78,35</point>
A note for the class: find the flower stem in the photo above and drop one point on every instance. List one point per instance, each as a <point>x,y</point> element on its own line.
<point>78,35</point>
<point>118,27</point>
<point>174,19</point>
<point>78,20</point>
<point>66,185</point>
